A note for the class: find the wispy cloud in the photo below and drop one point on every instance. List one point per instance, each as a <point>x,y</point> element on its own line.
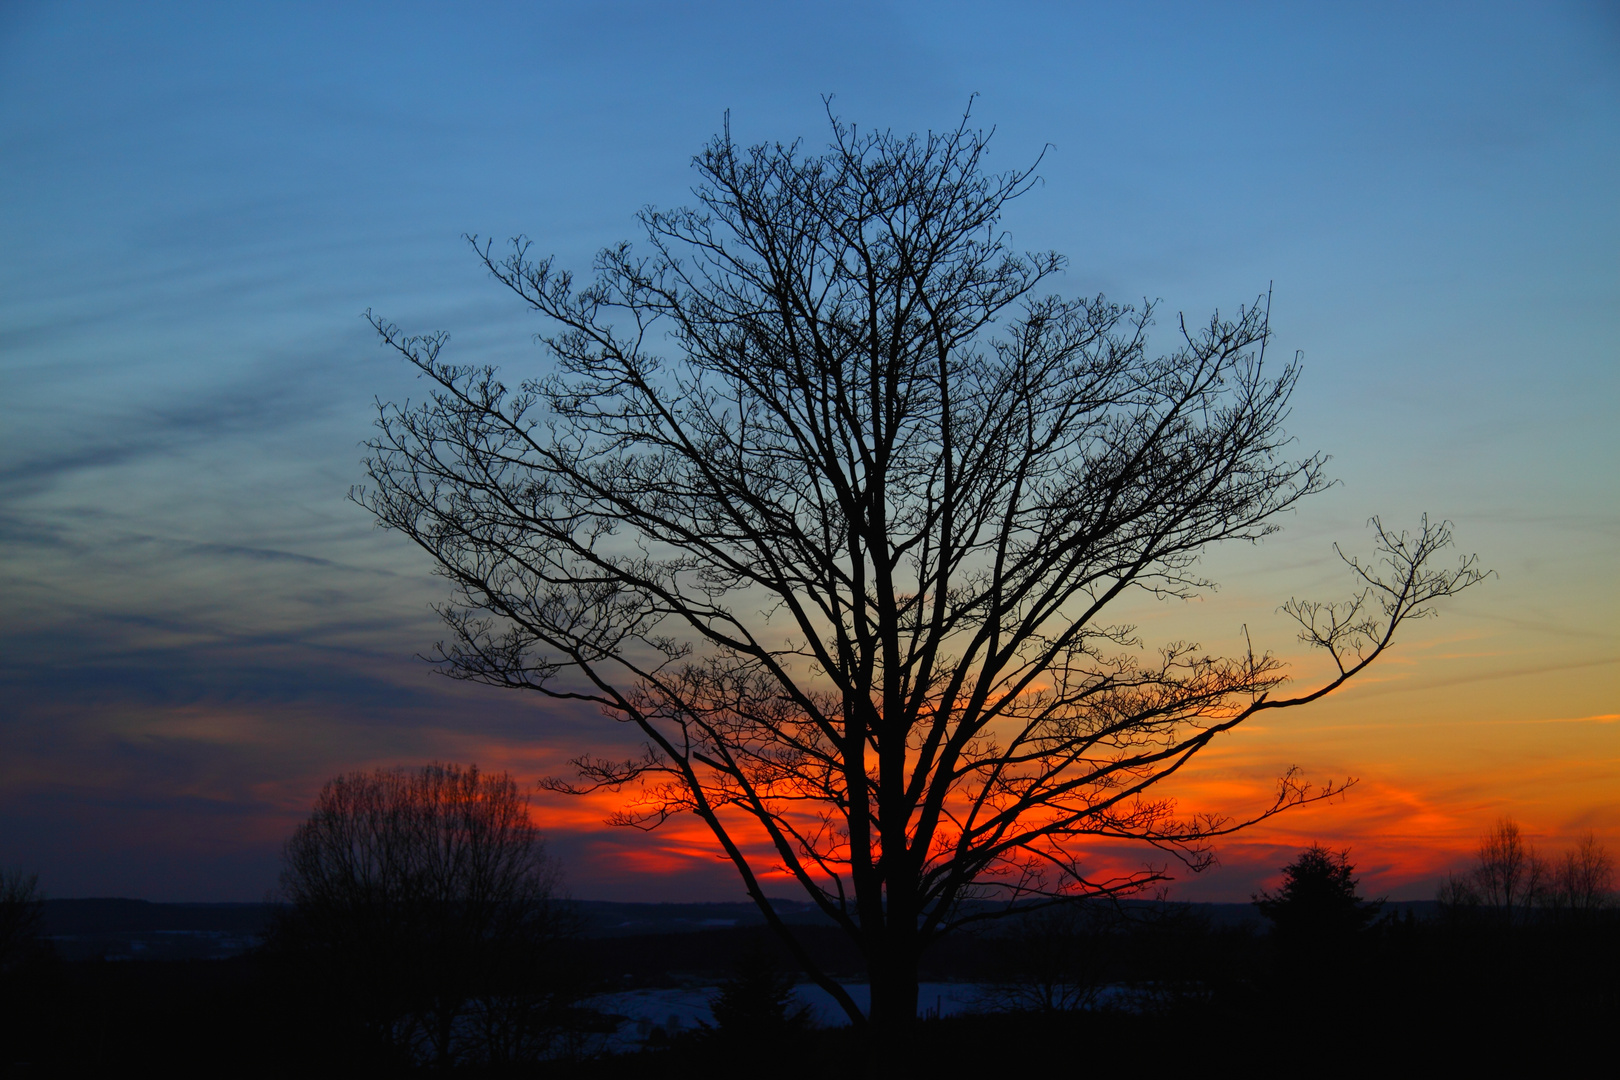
<point>1400,686</point>
<point>265,400</point>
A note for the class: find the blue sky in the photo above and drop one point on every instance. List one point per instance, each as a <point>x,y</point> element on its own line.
<point>198,202</point>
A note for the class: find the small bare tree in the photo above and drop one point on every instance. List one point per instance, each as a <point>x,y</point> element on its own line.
<point>423,902</point>
<point>22,913</point>
<point>1458,898</point>
<point>831,501</point>
<point>1583,880</point>
<point>27,1003</point>
<point>1509,875</point>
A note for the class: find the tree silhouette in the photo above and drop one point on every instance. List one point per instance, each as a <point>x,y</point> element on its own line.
<point>423,913</point>
<point>1510,880</point>
<point>1583,880</point>
<point>756,1004</point>
<point>1508,873</point>
<point>1318,899</point>
<point>27,967</point>
<point>22,911</point>
<point>832,502</point>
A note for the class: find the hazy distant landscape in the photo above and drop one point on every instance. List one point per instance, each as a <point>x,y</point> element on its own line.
<point>112,929</point>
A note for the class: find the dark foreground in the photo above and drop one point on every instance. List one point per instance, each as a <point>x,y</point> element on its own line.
<point>1201,997</point>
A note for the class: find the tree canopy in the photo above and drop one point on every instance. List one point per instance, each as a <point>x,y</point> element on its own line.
<point>831,498</point>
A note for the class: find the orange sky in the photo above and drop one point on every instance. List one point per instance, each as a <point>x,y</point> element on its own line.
<point>1472,716</point>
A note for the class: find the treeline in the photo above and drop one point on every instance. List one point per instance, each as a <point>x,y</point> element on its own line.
<point>1512,882</point>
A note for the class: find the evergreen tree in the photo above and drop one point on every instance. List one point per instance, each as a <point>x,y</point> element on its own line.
<point>1318,898</point>
<point>757,1004</point>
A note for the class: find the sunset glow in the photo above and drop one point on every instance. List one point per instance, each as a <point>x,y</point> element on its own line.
<point>200,629</point>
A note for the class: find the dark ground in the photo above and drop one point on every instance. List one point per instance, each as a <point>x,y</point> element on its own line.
<point>1209,988</point>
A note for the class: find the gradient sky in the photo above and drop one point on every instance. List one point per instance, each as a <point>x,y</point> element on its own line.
<point>198,202</point>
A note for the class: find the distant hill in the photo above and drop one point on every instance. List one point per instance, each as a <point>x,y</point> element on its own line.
<point>610,918</point>
<point>117,915</point>
<point>121,929</point>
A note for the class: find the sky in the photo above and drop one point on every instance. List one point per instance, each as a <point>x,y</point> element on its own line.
<point>199,202</point>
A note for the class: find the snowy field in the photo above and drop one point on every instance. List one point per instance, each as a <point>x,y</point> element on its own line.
<point>684,1008</point>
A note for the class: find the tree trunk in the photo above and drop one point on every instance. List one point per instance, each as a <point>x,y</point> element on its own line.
<point>893,1010</point>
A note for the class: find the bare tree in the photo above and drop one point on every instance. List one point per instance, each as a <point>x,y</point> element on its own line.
<point>1583,880</point>
<point>830,500</point>
<point>423,902</point>
<point>22,912</point>
<point>1509,875</point>
<point>27,986</point>
<point>1458,898</point>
